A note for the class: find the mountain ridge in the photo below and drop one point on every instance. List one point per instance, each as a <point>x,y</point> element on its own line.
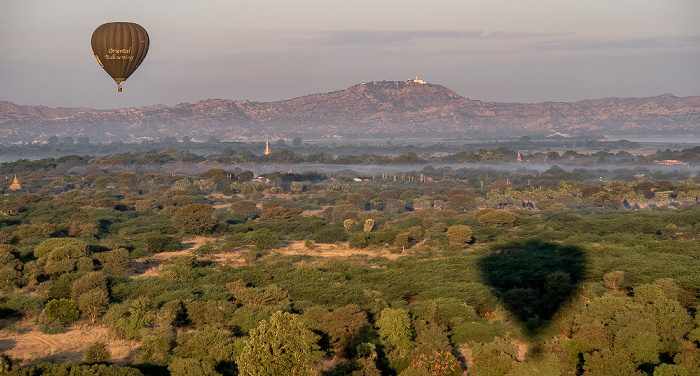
<point>411,108</point>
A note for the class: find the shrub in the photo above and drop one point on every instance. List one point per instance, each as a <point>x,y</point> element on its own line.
<point>194,219</point>
<point>187,366</point>
<point>280,214</point>
<point>155,243</point>
<point>401,240</point>
<point>21,304</point>
<point>459,234</point>
<point>497,218</point>
<point>341,326</point>
<point>64,255</point>
<point>278,345</point>
<point>5,363</point>
<point>245,208</point>
<point>56,327</point>
<point>330,234</point>
<point>97,353</point>
<point>475,331</point>
<point>9,268</point>
<point>362,240</point>
<point>206,249</point>
<point>156,346</point>
<point>90,281</point>
<point>127,319</point>
<point>64,310</point>
<point>114,262</point>
<point>83,369</point>
<point>263,239</point>
<point>234,241</point>
<point>61,286</point>
<point>268,295</point>
<point>56,248</point>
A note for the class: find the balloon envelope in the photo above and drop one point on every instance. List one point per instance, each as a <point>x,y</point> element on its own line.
<point>120,47</point>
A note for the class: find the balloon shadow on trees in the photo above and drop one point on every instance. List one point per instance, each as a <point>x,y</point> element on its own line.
<point>533,279</point>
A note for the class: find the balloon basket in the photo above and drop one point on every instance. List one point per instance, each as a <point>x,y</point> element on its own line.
<point>119,88</point>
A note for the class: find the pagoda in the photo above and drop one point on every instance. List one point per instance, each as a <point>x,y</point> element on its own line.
<point>15,184</point>
<point>267,148</point>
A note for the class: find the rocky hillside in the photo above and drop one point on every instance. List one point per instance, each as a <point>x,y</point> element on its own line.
<point>375,109</point>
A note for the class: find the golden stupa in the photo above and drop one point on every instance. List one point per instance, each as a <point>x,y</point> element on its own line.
<point>15,184</point>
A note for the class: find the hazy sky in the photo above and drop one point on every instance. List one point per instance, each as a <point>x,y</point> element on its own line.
<point>265,50</point>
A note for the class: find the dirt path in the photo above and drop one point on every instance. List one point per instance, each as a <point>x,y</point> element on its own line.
<point>333,250</point>
<point>33,346</point>
<point>52,345</point>
<point>149,267</point>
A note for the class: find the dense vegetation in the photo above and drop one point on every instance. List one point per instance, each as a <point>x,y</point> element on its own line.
<point>471,270</point>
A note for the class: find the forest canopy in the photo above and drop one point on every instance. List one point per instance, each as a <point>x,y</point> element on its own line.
<point>201,265</point>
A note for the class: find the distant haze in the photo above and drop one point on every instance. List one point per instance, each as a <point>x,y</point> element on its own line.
<point>267,50</point>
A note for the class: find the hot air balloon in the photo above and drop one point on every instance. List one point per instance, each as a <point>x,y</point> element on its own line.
<point>120,47</point>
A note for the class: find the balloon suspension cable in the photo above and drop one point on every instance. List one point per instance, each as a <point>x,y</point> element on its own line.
<point>119,88</point>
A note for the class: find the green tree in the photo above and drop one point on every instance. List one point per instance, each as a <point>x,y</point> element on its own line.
<point>263,239</point>
<point>366,360</point>
<point>210,345</point>
<point>91,281</point>
<point>155,346</point>
<point>280,214</point>
<point>245,208</point>
<point>461,202</point>
<point>459,234</point>
<point>396,335</point>
<point>10,208</point>
<point>191,367</point>
<point>114,262</point>
<point>493,358</point>
<point>93,303</point>
<point>127,319</point>
<point>97,353</point>
<point>607,362</point>
<point>430,337</point>
<point>497,218</point>
<point>10,268</point>
<point>341,326</point>
<point>64,310</point>
<point>670,370</point>
<point>614,280</point>
<point>72,369</point>
<point>179,268</point>
<point>194,219</point>
<point>155,242</point>
<point>64,255</point>
<point>271,295</point>
<point>402,240</point>
<point>281,345</point>
<point>640,346</point>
